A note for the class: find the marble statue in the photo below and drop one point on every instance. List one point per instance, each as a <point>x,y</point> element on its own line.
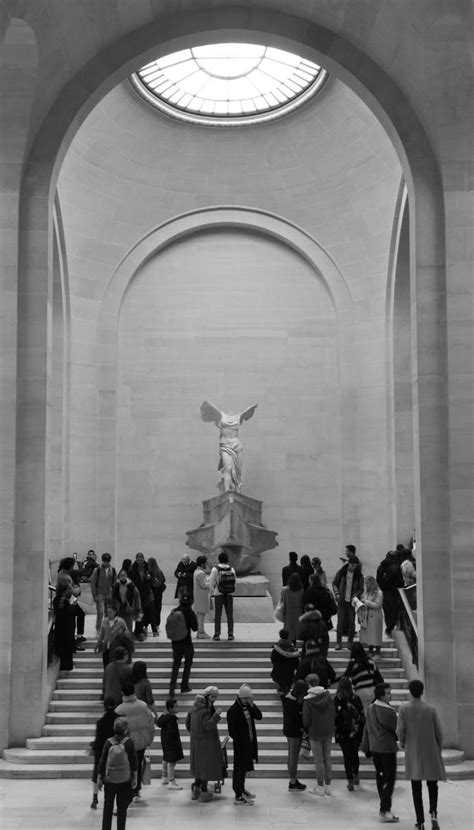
<point>230,445</point>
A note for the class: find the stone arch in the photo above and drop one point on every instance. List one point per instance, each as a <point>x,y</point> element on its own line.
<point>427,254</point>
<point>159,238</point>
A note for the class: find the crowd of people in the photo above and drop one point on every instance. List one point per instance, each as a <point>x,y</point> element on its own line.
<point>358,716</point>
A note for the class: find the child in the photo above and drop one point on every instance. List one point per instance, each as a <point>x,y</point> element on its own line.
<point>104,729</point>
<point>170,743</point>
<point>285,659</point>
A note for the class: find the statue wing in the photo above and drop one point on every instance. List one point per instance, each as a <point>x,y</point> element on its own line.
<point>247,413</point>
<point>209,412</point>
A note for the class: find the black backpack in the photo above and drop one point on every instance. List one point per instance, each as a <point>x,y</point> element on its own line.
<point>226,579</point>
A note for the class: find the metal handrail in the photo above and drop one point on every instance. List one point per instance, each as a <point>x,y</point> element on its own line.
<point>408,621</point>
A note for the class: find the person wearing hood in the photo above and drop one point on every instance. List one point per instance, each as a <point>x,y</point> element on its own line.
<point>171,746</point>
<point>140,727</point>
<point>205,748</point>
<point>241,717</point>
<point>311,627</point>
<point>319,716</point>
<point>380,741</point>
<point>293,730</point>
<point>285,658</point>
<point>347,584</point>
<point>315,663</point>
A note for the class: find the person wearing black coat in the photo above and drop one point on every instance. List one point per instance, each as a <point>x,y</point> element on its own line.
<point>390,578</point>
<point>321,599</point>
<point>316,663</point>
<point>241,719</point>
<point>184,574</point>
<point>142,579</point>
<point>349,728</point>
<point>292,704</point>
<point>312,627</point>
<point>184,648</point>
<point>64,626</point>
<point>104,729</point>
<point>171,746</point>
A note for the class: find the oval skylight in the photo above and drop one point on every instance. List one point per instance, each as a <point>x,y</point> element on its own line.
<point>229,82</point>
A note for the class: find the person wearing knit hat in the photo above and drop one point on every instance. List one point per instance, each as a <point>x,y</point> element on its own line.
<point>210,690</point>
<point>205,752</point>
<point>241,719</point>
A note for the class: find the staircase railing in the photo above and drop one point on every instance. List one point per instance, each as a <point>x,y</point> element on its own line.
<point>51,593</point>
<point>408,619</point>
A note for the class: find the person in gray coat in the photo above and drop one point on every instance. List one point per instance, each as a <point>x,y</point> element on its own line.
<point>205,747</point>
<point>420,735</point>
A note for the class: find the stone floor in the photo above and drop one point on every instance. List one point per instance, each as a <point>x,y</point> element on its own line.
<point>64,805</point>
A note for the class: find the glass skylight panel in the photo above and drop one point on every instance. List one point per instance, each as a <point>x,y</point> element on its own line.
<point>229,80</point>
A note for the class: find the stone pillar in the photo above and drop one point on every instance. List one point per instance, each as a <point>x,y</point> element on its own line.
<point>30,566</point>
<point>430,423</point>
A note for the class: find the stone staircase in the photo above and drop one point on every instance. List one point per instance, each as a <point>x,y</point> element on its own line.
<point>61,750</point>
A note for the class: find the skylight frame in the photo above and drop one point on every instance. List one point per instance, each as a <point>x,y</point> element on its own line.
<point>300,79</point>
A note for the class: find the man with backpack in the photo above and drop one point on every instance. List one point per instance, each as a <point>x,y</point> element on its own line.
<point>179,624</point>
<point>141,728</point>
<point>222,583</point>
<point>117,771</point>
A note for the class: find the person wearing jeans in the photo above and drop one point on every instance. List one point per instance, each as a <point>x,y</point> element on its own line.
<point>183,648</point>
<point>222,600</point>
<point>292,704</point>
<point>319,716</point>
<point>140,726</point>
<point>420,735</point>
<point>379,741</point>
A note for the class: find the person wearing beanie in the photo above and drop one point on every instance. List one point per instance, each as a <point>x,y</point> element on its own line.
<point>319,717</point>
<point>241,719</point>
<point>205,752</point>
<point>347,584</point>
<point>293,730</point>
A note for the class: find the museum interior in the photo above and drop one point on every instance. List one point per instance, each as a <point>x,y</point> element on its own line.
<point>308,249</point>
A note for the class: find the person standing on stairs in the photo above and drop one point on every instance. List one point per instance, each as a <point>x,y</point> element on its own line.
<point>420,735</point>
<point>202,603</point>
<point>222,583</point>
<point>179,624</point>
<point>140,726</point>
<point>347,584</point>
<point>205,747</point>
<point>241,718</point>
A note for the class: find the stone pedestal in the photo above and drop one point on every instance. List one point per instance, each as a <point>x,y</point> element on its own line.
<point>233,522</point>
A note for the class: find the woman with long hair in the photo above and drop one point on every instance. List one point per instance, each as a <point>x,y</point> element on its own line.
<point>292,599</point>
<point>306,570</point>
<point>143,690</point>
<point>292,704</point>
<point>64,626</point>
<point>370,615</point>
<point>364,674</point>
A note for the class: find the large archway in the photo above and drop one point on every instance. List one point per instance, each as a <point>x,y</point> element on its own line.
<point>427,275</point>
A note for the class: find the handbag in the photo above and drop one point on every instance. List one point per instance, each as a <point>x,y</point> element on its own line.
<point>279,612</point>
<point>146,769</point>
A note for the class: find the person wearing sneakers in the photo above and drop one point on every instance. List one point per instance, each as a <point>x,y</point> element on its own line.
<point>241,718</point>
<point>293,730</point>
<point>205,747</point>
<point>420,735</point>
<point>379,741</point>
<point>202,604</point>
<point>319,717</point>
<point>140,726</point>
<point>170,744</point>
<point>118,767</point>
<point>222,586</point>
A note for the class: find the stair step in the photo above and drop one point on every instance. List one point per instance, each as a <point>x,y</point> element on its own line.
<point>456,771</point>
